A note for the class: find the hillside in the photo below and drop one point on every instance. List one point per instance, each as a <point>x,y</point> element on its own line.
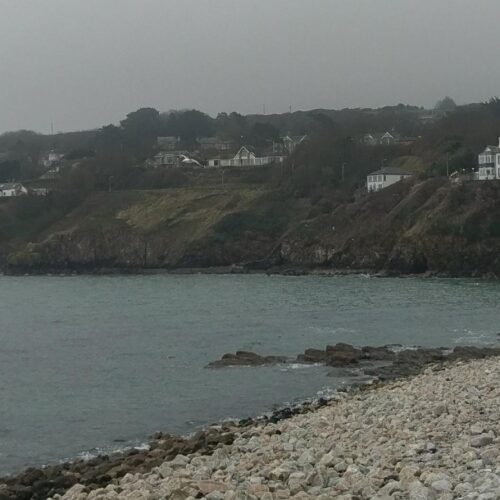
<point>411,227</point>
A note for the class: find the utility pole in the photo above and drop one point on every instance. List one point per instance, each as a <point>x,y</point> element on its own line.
<point>222,175</point>
<point>447,164</point>
<point>343,170</point>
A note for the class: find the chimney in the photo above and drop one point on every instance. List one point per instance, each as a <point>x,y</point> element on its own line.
<point>499,142</point>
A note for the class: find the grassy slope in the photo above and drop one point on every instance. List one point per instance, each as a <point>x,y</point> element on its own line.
<point>411,227</point>
<point>185,226</point>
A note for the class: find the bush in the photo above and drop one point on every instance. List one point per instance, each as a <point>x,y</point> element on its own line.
<point>235,225</point>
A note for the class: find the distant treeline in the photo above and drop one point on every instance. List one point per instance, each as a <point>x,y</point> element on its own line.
<point>444,139</point>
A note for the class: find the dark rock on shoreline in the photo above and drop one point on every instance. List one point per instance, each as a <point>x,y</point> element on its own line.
<point>312,356</point>
<point>342,355</point>
<point>472,352</point>
<point>245,358</point>
<point>378,353</point>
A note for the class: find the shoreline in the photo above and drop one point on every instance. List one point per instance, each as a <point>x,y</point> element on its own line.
<point>245,270</point>
<point>409,439</point>
<point>107,470</point>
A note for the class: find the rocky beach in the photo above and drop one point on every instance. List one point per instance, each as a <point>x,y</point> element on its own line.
<point>435,436</point>
<point>424,426</point>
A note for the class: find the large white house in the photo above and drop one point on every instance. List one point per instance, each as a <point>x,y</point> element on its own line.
<point>489,163</point>
<point>385,177</point>
<point>245,158</point>
<point>10,189</point>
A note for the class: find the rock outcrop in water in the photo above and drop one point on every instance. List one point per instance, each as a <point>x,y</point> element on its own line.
<point>246,358</point>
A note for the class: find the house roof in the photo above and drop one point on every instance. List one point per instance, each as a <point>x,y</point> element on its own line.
<point>491,149</point>
<point>212,140</point>
<point>391,171</point>
<point>11,185</point>
<point>250,149</point>
<point>295,138</point>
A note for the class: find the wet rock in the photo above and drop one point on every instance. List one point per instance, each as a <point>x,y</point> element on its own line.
<point>312,356</point>
<point>378,353</point>
<point>245,358</point>
<point>472,352</point>
<point>342,355</point>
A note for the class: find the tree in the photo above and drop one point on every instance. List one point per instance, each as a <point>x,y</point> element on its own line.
<point>446,104</point>
<point>233,127</point>
<point>140,130</point>
<point>188,125</point>
<point>262,133</point>
<point>10,170</point>
<point>109,140</point>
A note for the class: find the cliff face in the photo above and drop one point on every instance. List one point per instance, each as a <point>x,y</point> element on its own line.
<point>410,227</point>
<point>191,227</point>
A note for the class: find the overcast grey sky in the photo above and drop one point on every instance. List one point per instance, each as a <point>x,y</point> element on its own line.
<point>85,63</point>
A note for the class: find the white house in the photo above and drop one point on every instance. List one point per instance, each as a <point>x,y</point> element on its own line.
<point>245,158</point>
<point>52,158</point>
<point>385,177</point>
<point>489,163</point>
<point>11,189</point>
<point>379,139</point>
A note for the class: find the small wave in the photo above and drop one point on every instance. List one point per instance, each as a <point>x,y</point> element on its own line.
<point>399,348</point>
<point>96,452</point>
<point>299,366</point>
<point>470,336</point>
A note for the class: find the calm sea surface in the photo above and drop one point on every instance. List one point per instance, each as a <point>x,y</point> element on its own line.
<point>97,363</point>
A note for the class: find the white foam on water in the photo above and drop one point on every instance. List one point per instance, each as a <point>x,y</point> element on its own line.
<point>108,450</point>
<point>400,348</point>
<point>472,337</point>
<point>299,366</point>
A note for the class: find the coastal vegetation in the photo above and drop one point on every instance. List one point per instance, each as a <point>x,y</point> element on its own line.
<point>110,211</point>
